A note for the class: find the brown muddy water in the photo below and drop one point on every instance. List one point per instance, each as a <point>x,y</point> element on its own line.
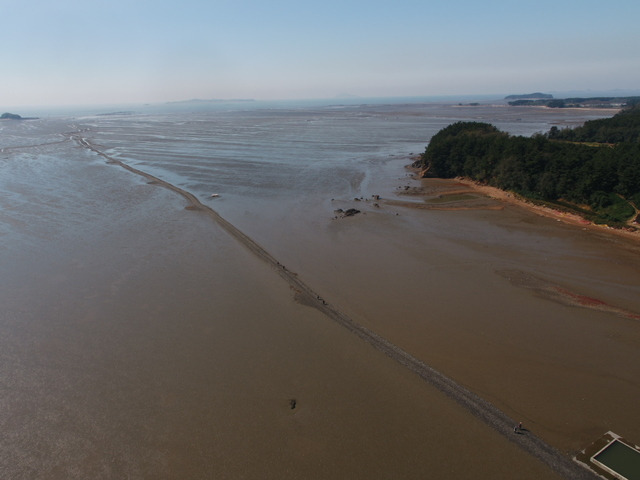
<point>140,340</point>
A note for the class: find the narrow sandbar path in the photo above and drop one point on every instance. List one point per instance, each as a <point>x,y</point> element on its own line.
<point>477,406</point>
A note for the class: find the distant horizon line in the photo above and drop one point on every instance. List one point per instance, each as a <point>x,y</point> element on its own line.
<point>341,97</point>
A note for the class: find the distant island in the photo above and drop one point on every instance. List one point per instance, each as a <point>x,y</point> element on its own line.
<point>529,96</point>
<point>592,170</point>
<point>10,116</point>
<point>15,116</point>
<point>211,100</point>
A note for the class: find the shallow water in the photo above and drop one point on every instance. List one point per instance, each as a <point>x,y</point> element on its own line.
<point>139,339</point>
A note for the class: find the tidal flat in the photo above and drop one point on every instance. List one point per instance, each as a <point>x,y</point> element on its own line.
<point>140,339</point>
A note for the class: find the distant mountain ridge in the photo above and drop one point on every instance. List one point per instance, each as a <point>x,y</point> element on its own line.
<point>529,96</point>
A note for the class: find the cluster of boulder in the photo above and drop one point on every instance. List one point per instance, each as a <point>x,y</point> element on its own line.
<point>340,213</point>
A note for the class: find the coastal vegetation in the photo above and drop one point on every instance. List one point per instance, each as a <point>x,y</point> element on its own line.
<point>593,170</point>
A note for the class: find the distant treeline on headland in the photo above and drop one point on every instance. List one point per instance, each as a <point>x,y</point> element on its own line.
<point>529,96</point>
<point>575,102</point>
<point>593,169</point>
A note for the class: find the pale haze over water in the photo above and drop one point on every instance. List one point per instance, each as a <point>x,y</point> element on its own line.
<point>87,53</point>
<point>141,340</point>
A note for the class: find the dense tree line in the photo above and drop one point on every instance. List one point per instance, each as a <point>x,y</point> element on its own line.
<point>623,127</point>
<point>596,166</point>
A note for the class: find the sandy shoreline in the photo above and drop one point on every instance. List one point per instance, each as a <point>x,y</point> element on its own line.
<point>460,186</point>
<point>566,217</point>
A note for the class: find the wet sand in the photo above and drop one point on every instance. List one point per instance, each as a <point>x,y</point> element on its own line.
<point>537,316</point>
<point>467,186</point>
<point>141,339</point>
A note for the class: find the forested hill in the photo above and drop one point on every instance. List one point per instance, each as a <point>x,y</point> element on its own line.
<point>593,169</point>
<point>624,127</point>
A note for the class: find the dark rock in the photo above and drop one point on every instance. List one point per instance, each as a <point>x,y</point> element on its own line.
<point>351,212</point>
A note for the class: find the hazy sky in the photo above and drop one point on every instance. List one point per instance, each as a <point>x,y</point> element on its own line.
<point>76,52</point>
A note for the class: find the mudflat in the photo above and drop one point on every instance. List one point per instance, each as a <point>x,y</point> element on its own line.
<point>142,338</point>
<point>139,340</point>
<point>535,312</point>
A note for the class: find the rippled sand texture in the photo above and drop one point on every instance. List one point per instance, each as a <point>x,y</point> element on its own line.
<point>140,339</point>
